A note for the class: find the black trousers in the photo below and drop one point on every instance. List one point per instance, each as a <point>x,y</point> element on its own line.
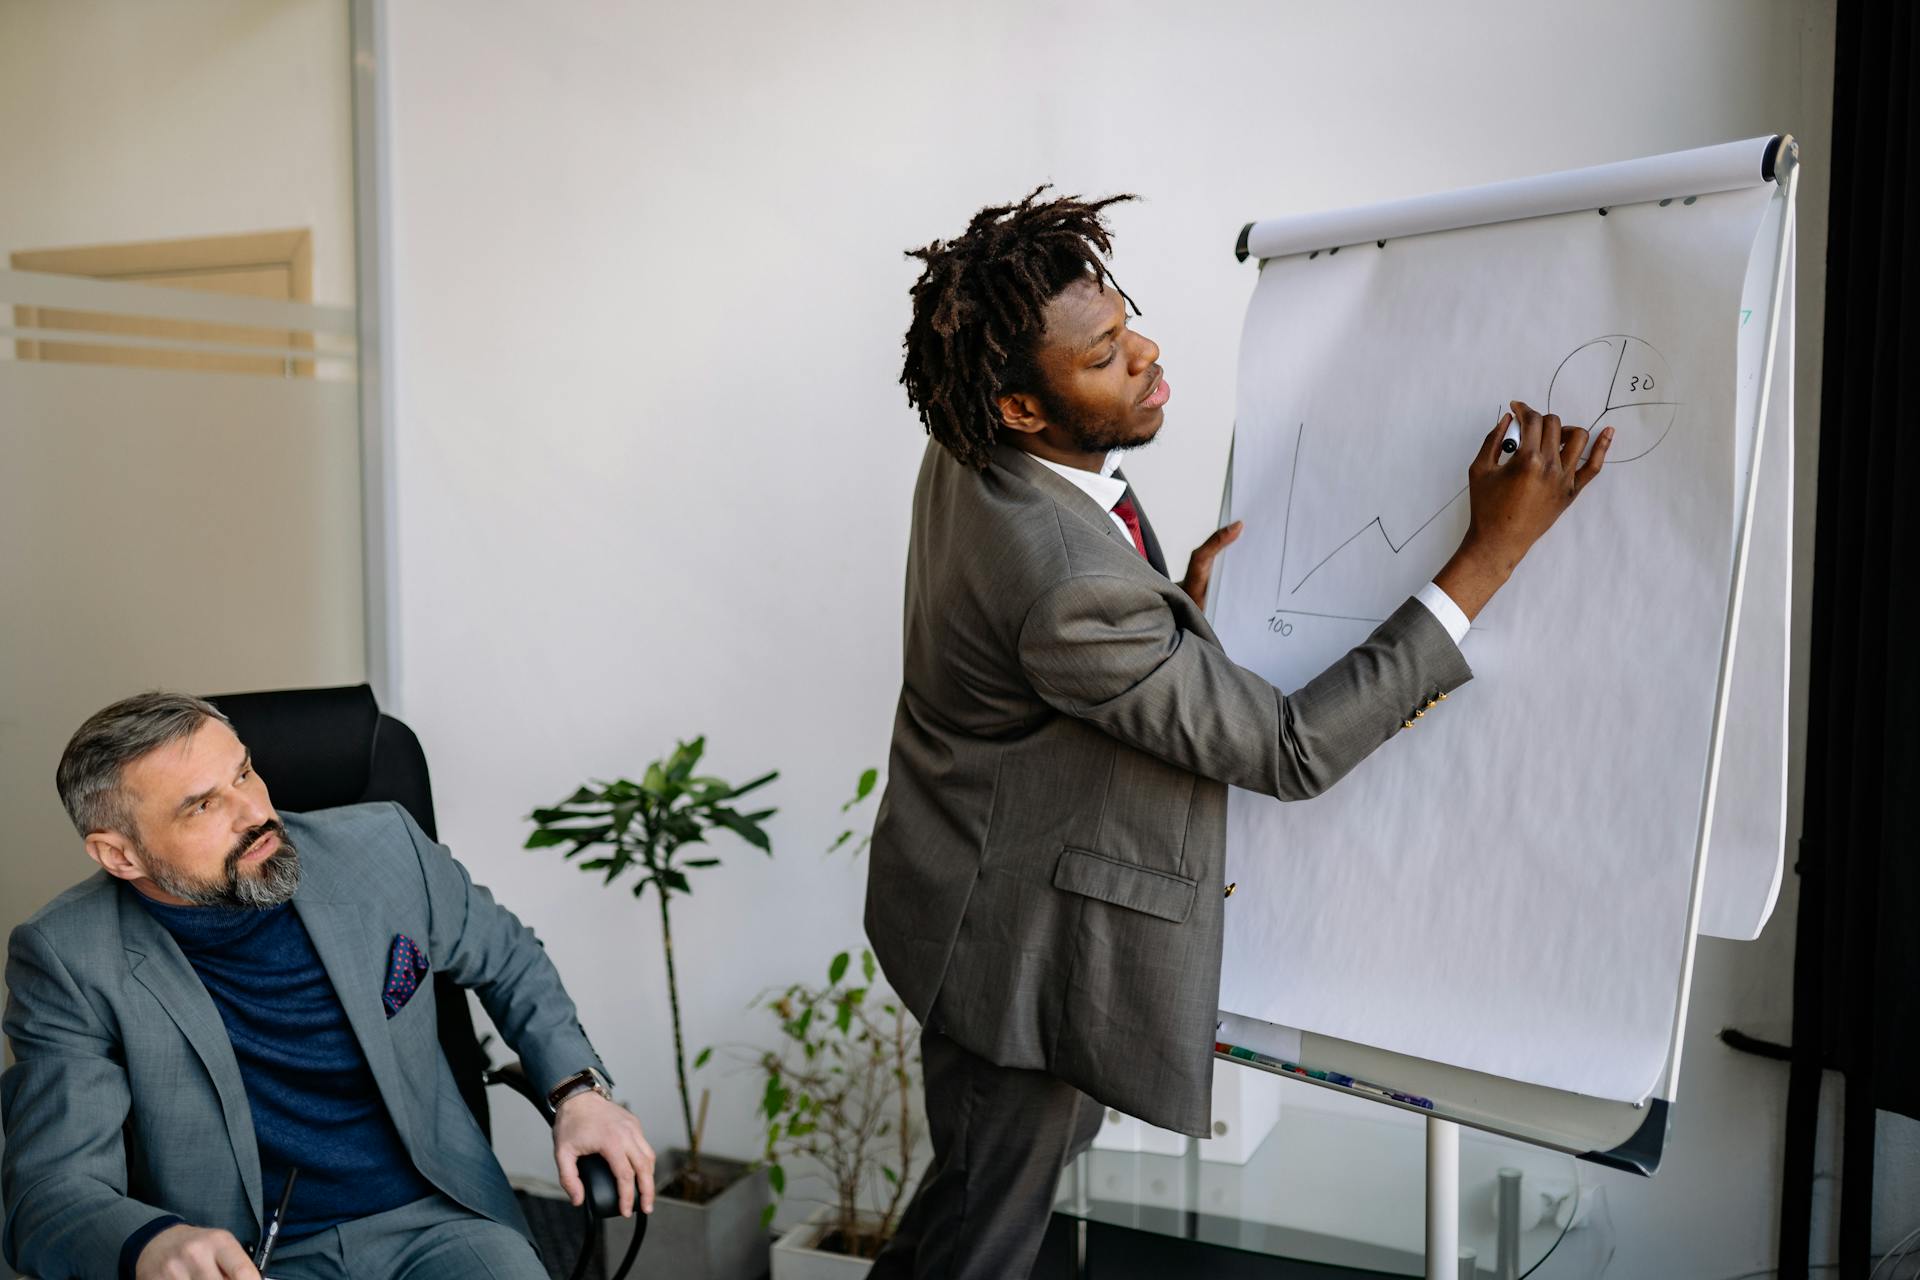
<point>1000,1139</point>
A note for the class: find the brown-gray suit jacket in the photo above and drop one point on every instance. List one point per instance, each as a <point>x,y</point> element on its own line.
<point>1046,883</point>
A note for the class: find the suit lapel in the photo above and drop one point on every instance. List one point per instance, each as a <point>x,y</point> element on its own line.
<point>1194,619</point>
<point>1154,556</point>
<point>158,964</point>
<point>1079,504</point>
<point>353,953</point>
<point>1068,495</point>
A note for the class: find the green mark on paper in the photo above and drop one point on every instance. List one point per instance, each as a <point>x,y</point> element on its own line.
<point>1746,314</point>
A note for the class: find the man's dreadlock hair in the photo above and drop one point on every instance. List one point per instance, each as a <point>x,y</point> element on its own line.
<point>977,311</point>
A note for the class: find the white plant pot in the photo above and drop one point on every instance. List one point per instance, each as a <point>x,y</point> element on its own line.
<point>1246,1107</point>
<point>795,1258</point>
<point>1121,1132</point>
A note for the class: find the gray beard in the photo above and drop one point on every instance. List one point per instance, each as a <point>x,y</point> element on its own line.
<point>272,885</point>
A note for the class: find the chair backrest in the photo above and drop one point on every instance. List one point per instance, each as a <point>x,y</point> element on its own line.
<point>323,748</point>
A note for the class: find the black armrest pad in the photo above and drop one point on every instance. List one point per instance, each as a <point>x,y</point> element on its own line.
<point>603,1193</point>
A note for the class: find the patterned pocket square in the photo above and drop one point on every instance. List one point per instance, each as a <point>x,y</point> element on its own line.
<point>406,965</point>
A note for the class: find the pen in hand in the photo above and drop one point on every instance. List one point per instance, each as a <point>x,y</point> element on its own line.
<point>272,1235</point>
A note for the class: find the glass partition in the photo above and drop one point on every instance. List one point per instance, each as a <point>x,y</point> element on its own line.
<point>180,479</point>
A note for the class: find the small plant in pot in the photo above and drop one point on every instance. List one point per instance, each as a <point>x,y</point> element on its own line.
<point>840,1092</point>
<point>649,827</point>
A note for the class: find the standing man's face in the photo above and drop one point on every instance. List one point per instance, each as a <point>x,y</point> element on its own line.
<point>1104,387</point>
<point>206,833</point>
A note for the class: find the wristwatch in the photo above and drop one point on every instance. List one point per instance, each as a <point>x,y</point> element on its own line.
<point>579,1082</point>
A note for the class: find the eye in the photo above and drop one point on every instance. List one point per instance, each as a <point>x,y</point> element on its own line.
<point>1104,363</point>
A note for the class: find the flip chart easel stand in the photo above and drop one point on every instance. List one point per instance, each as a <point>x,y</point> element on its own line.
<point>1623,1135</point>
<point>1443,1136</point>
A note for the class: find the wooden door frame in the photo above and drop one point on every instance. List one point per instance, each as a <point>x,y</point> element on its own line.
<point>293,248</point>
<point>248,250</point>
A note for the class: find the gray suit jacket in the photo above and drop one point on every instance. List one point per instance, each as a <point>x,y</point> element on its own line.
<point>1046,876</point>
<point>124,1101</point>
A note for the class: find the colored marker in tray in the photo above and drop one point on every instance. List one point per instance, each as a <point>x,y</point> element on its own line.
<point>1328,1077</point>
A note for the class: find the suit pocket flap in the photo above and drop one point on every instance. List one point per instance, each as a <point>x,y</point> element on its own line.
<point>1157,893</point>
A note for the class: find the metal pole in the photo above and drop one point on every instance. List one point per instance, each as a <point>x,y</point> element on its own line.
<point>1082,1187</point>
<point>1507,1258</point>
<point>373,304</point>
<point>1787,173</point>
<point>1443,1199</point>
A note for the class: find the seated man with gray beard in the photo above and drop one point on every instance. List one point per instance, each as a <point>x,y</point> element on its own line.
<point>240,994</point>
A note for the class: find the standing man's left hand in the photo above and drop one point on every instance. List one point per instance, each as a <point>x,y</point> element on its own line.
<point>588,1124</point>
<point>1200,563</point>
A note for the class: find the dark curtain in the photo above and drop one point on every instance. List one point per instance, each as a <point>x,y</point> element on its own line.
<point>1856,1006</point>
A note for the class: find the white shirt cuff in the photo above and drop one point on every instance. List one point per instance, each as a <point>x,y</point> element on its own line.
<point>1442,607</point>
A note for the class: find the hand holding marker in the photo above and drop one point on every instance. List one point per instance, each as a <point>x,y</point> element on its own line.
<point>1510,442</point>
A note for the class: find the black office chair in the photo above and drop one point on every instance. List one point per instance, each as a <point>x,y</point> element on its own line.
<point>323,748</point>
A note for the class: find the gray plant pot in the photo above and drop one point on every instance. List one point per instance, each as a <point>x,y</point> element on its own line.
<point>796,1258</point>
<point>719,1240</point>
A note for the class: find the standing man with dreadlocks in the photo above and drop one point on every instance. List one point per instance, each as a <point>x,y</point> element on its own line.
<point>1045,890</point>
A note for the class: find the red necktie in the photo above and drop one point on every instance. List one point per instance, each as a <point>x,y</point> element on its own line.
<point>1131,518</point>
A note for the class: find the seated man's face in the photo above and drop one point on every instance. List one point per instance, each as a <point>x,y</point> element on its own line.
<point>207,832</point>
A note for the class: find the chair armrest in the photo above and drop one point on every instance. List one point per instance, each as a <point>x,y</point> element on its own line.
<point>596,1175</point>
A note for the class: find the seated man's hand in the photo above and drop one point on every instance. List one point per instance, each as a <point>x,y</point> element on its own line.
<point>194,1253</point>
<point>588,1124</point>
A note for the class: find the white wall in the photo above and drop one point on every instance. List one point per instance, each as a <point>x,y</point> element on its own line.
<point>654,468</point>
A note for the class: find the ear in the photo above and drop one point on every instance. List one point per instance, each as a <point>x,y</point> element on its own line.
<point>115,854</point>
<point>1021,412</point>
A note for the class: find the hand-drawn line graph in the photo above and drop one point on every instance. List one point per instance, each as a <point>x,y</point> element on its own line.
<point>1377,523</point>
<point>1612,380</point>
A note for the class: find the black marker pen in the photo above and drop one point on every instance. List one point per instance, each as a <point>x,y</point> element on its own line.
<point>279,1216</point>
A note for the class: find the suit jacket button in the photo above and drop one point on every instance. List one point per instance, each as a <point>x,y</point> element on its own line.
<point>1231,888</point>
<point>1406,724</point>
<point>1441,696</point>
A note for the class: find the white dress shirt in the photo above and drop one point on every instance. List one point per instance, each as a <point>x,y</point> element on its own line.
<point>1104,489</point>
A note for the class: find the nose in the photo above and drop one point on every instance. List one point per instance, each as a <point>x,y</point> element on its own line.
<point>251,810</point>
<point>1145,352</point>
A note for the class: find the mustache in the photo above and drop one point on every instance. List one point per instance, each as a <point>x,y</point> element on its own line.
<point>248,839</point>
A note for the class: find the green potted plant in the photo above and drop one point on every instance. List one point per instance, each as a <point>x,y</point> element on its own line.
<point>707,1220</point>
<point>840,1093</point>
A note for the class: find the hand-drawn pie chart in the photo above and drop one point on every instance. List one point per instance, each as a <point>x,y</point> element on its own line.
<point>1617,381</point>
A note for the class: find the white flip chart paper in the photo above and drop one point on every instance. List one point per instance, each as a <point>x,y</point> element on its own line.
<point>1506,886</point>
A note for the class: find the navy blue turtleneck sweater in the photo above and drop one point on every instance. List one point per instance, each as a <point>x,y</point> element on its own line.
<point>314,1102</point>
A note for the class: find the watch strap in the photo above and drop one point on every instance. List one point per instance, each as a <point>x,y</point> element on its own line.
<point>581,1081</point>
